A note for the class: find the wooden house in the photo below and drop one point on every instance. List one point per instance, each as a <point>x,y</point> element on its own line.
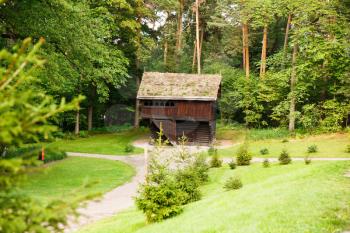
<point>184,104</point>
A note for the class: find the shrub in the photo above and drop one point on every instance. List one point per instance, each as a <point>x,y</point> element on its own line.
<point>83,134</point>
<point>232,164</point>
<point>312,149</point>
<point>285,140</point>
<point>58,134</point>
<point>188,181</point>
<point>129,148</point>
<point>266,163</point>
<point>348,149</point>
<point>243,156</point>
<point>307,160</point>
<point>264,151</point>
<point>201,167</point>
<point>70,136</point>
<point>54,154</point>
<point>284,158</point>
<point>212,151</point>
<point>160,201</point>
<point>215,161</point>
<point>233,183</point>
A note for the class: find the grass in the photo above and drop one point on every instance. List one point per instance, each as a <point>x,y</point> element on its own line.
<point>65,179</point>
<point>293,198</point>
<point>333,145</point>
<point>108,143</point>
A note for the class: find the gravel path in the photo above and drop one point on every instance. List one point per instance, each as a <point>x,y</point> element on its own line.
<point>114,201</point>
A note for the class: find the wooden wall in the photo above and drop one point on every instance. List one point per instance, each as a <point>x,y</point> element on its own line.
<point>183,110</point>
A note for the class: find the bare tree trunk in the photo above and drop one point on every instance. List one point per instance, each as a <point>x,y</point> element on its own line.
<point>90,113</point>
<point>246,49</point>
<point>285,46</point>
<point>194,56</point>
<point>197,39</point>
<point>263,54</point>
<point>293,81</point>
<point>137,107</point>
<point>243,46</point>
<point>165,53</point>
<point>77,122</point>
<point>179,29</point>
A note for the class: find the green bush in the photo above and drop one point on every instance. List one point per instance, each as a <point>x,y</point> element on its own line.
<point>307,160</point>
<point>83,134</point>
<point>285,140</point>
<point>129,148</point>
<point>264,151</point>
<point>160,201</point>
<point>284,158</point>
<point>70,136</point>
<point>188,181</point>
<point>232,164</point>
<point>215,161</point>
<point>212,151</point>
<point>312,149</point>
<point>233,183</point>
<point>51,154</point>
<point>243,157</point>
<point>348,149</point>
<point>54,154</point>
<point>201,167</point>
<point>266,163</point>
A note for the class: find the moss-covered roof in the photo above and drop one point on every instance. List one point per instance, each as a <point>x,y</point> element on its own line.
<point>179,86</point>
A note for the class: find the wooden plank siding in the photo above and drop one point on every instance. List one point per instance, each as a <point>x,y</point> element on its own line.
<point>183,110</point>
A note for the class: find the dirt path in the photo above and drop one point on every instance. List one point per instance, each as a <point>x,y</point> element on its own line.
<point>114,201</point>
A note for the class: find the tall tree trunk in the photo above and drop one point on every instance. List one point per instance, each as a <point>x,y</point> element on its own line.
<point>285,46</point>
<point>179,30</point>
<point>293,81</point>
<point>137,107</point>
<point>137,64</point>
<point>90,113</point>
<point>263,54</point>
<point>243,47</point>
<point>91,106</point>
<point>77,122</point>
<point>165,54</point>
<point>246,49</point>
<point>194,56</point>
<point>197,39</point>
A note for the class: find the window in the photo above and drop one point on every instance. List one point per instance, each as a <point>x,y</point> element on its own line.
<point>158,103</point>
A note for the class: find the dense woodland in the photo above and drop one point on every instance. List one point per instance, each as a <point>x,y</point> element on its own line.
<point>284,63</point>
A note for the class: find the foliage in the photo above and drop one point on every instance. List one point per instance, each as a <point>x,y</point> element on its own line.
<point>166,190</point>
<point>24,115</point>
<point>264,151</point>
<point>312,149</point>
<point>348,149</point>
<point>284,158</point>
<point>307,160</point>
<point>215,160</point>
<point>83,134</point>
<point>232,164</point>
<point>129,148</point>
<point>266,163</point>
<point>233,183</point>
<point>54,154</point>
<point>243,157</point>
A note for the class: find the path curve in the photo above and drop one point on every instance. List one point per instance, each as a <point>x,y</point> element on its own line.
<point>113,201</point>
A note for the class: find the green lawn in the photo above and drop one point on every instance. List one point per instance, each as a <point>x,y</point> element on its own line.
<point>293,198</point>
<point>329,146</point>
<point>64,179</point>
<point>112,144</point>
